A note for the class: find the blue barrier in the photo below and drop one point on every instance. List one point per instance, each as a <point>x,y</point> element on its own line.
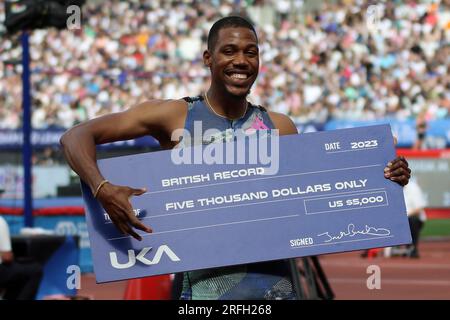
<point>405,130</point>
<point>12,140</point>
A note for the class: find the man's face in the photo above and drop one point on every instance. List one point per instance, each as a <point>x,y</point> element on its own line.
<point>234,61</point>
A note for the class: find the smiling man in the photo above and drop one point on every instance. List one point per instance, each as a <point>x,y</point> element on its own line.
<point>233,59</point>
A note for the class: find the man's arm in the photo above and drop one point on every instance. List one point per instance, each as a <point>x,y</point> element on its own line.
<point>157,118</point>
<point>149,118</point>
<point>396,170</point>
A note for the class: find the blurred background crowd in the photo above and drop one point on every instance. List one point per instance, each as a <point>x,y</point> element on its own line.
<point>317,62</point>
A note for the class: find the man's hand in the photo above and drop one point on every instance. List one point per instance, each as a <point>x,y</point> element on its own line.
<point>116,201</point>
<point>397,170</point>
<point>7,257</point>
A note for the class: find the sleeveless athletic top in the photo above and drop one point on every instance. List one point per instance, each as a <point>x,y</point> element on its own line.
<point>266,280</point>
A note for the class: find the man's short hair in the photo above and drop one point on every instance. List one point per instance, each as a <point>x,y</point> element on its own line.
<point>228,22</point>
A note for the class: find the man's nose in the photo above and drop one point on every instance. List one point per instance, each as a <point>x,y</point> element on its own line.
<point>240,60</point>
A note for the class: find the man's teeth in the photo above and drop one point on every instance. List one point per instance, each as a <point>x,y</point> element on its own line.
<point>239,76</point>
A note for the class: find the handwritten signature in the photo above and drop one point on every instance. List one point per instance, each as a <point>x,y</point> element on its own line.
<point>351,232</point>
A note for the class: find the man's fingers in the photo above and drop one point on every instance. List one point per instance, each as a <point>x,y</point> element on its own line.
<point>403,180</point>
<point>138,192</point>
<point>131,232</point>
<point>123,216</point>
<point>396,167</point>
<point>397,163</point>
<point>123,225</point>
<point>399,172</point>
<point>131,219</point>
<point>135,222</point>
<point>120,226</point>
<point>400,159</point>
<point>119,222</point>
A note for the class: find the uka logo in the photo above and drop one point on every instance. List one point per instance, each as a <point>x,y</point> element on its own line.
<point>132,257</point>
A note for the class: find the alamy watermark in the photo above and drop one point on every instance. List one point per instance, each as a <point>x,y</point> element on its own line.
<point>74,279</point>
<point>374,280</point>
<point>374,13</point>
<point>74,20</point>
<point>256,147</point>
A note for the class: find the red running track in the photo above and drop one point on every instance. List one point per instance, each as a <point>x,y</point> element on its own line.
<point>427,277</point>
<point>401,278</point>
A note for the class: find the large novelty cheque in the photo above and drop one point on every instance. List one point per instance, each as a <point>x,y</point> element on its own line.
<point>319,193</point>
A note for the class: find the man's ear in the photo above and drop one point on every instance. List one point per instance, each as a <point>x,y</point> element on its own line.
<point>207,58</point>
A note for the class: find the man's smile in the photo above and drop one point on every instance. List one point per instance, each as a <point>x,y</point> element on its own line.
<point>239,77</point>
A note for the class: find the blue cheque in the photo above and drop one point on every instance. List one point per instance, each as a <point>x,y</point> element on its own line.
<point>329,195</point>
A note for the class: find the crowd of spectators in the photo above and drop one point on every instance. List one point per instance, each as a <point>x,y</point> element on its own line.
<point>343,60</point>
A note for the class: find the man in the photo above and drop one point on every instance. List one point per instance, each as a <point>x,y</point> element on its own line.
<point>20,281</point>
<point>233,59</point>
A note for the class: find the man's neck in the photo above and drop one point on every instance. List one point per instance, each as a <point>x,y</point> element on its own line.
<point>226,105</point>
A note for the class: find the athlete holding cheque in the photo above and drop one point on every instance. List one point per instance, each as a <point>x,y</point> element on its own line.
<point>233,59</point>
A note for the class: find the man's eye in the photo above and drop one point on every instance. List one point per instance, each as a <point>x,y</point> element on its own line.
<point>228,52</point>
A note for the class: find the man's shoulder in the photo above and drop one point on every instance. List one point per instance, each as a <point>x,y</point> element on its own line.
<point>279,116</point>
<point>162,110</point>
<point>167,104</point>
<point>283,123</point>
